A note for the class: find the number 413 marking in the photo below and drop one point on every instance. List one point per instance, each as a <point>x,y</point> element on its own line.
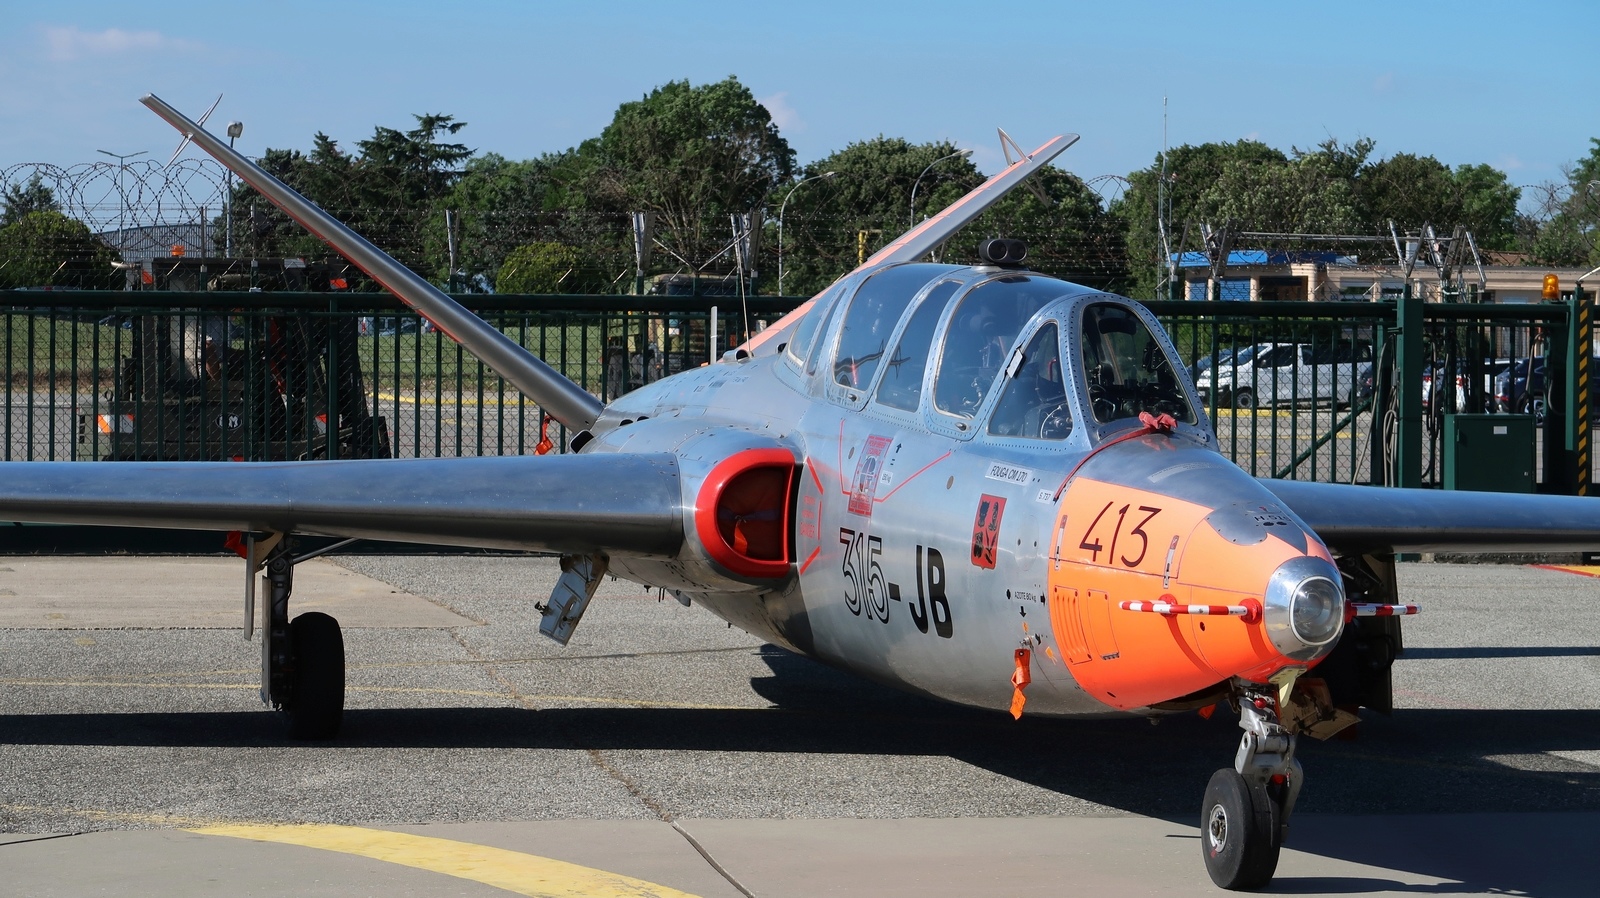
<point>1138,531</point>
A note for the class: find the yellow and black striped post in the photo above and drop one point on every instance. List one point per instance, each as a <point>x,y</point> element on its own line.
<point>1582,349</point>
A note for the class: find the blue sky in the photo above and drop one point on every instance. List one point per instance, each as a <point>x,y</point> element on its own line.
<point>1468,82</point>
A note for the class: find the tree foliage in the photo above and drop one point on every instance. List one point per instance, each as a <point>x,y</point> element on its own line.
<point>1334,189</point>
<point>692,155</point>
<point>21,200</point>
<point>542,268</point>
<point>1571,234</point>
<point>48,249</point>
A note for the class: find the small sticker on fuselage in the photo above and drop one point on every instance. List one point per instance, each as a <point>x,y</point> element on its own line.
<point>865,487</point>
<point>1008,473</point>
<point>986,530</point>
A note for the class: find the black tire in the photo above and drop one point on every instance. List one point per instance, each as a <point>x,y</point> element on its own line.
<point>316,681</point>
<point>1531,405</point>
<point>1238,836</point>
<point>1244,399</point>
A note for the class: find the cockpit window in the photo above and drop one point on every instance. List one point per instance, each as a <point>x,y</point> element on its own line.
<point>1034,405</point>
<point>1126,370</point>
<point>902,377</point>
<point>806,331</point>
<point>979,338</point>
<point>871,318</point>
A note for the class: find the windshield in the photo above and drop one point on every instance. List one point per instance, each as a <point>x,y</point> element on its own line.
<point>979,336</point>
<point>1125,369</point>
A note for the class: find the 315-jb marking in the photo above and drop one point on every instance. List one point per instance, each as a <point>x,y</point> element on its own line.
<point>867,593</point>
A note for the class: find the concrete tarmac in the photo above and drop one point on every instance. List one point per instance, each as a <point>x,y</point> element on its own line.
<point>662,752</point>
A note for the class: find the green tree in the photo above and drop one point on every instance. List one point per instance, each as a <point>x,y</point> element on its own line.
<point>1413,190</point>
<point>869,199</point>
<point>1488,206</point>
<point>48,249</point>
<point>1570,233</point>
<point>392,191</point>
<point>21,200</point>
<point>691,154</point>
<point>503,204</point>
<point>1191,173</point>
<point>542,268</point>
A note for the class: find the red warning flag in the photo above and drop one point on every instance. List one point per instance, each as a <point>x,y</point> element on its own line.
<point>1020,678</point>
<point>544,445</point>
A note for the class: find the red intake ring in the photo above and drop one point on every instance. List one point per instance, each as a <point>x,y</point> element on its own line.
<point>742,512</point>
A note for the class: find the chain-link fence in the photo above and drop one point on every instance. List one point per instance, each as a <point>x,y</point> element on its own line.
<point>289,376</point>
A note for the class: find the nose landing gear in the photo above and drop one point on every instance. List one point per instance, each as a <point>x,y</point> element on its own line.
<point>1245,816</point>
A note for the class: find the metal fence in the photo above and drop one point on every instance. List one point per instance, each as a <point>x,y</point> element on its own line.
<point>1323,391</point>
<point>1326,391</point>
<point>275,376</point>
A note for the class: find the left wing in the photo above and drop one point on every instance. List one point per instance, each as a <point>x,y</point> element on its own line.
<point>1369,519</point>
<point>614,503</point>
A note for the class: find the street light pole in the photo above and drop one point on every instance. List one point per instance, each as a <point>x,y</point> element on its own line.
<point>783,205</point>
<point>235,129</point>
<point>122,199</point>
<point>918,181</point>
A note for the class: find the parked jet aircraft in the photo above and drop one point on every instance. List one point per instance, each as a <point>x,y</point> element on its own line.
<point>972,482</point>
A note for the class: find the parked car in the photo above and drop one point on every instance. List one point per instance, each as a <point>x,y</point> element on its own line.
<point>1521,388</point>
<point>1268,374</point>
<point>1222,357</point>
<point>1433,386</point>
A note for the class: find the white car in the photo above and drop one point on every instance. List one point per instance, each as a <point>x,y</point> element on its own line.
<point>1269,374</point>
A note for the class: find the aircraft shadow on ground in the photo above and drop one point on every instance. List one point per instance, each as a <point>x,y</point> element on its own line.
<point>1418,761</point>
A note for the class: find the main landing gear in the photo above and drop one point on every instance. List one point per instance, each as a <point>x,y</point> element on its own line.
<point>302,661</point>
<point>1245,816</point>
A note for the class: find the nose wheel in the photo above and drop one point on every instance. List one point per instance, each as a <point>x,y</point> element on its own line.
<point>1245,815</point>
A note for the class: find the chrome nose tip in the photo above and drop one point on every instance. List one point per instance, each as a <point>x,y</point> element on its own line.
<point>1303,609</point>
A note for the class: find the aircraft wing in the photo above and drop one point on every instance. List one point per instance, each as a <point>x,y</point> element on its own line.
<point>627,504</point>
<point>1372,519</point>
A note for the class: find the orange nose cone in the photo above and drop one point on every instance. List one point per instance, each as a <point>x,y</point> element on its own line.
<point>1127,565</point>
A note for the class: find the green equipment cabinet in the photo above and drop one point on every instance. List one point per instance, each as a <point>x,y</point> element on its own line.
<point>1489,452</point>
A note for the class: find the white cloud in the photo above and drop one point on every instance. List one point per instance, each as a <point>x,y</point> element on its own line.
<point>70,43</point>
<point>783,115</point>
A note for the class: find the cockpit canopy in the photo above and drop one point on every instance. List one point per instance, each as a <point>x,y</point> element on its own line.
<point>1005,354</point>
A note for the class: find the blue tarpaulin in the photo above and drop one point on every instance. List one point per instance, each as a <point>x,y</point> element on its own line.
<point>1241,257</point>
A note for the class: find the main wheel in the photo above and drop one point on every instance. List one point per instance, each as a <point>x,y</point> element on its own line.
<point>1237,834</point>
<point>316,681</point>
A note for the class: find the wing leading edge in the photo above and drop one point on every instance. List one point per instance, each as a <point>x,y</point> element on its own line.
<point>618,504</point>
<point>1382,519</point>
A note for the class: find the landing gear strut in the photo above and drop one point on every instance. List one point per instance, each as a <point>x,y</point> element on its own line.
<point>1245,815</point>
<point>302,661</point>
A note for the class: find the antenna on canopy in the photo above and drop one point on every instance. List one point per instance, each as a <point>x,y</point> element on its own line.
<point>1007,144</point>
<point>187,137</point>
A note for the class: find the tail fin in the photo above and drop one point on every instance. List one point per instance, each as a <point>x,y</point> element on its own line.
<point>567,402</point>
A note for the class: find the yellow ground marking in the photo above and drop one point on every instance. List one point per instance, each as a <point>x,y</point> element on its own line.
<point>513,871</point>
<point>447,397</point>
<point>394,690</point>
<point>1254,413</point>
<point>1584,570</point>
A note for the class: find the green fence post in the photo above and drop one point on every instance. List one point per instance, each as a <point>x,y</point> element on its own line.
<point>1557,460</point>
<point>332,411</point>
<point>1408,404</point>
